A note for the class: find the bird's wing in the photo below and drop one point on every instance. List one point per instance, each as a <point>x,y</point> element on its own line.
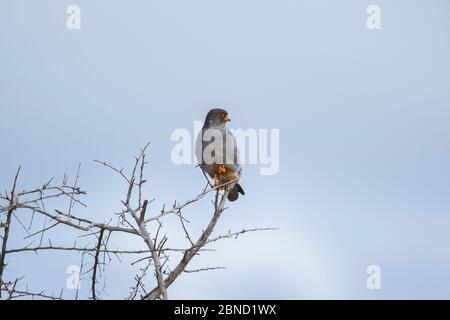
<point>198,148</point>
<point>225,150</point>
<point>203,157</point>
<point>231,149</point>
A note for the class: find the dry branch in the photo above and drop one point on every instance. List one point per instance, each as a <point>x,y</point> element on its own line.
<point>7,228</point>
<point>133,219</point>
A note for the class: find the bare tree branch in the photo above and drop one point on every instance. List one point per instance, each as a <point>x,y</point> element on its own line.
<point>187,257</point>
<point>94,268</point>
<point>133,218</point>
<point>7,228</point>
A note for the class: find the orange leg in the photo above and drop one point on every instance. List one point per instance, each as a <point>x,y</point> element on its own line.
<point>216,180</point>
<point>221,169</point>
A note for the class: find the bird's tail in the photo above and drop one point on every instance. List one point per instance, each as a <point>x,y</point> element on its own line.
<point>233,195</point>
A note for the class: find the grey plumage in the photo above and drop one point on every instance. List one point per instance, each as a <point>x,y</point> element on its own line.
<point>217,153</point>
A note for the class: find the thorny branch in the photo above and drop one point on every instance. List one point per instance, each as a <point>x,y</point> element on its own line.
<point>7,228</point>
<point>96,262</point>
<point>133,219</point>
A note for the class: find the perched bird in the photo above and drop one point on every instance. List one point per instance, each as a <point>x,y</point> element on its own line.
<point>217,153</point>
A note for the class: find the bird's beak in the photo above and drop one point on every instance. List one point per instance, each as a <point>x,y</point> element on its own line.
<point>227,118</point>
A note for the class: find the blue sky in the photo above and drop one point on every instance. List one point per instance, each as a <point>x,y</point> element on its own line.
<point>364,133</point>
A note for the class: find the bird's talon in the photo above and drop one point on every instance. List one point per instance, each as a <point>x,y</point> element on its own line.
<point>216,180</point>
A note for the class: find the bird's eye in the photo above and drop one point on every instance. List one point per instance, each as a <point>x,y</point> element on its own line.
<point>221,114</point>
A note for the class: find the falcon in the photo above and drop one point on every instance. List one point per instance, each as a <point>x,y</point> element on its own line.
<point>217,153</point>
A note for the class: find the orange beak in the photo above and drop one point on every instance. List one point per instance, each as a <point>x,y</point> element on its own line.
<point>226,118</point>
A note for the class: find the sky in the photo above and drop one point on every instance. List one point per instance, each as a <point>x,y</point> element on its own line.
<point>363,117</point>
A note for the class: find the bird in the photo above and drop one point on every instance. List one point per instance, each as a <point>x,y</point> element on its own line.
<point>217,153</point>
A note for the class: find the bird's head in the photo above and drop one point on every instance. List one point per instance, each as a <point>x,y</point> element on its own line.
<point>217,118</point>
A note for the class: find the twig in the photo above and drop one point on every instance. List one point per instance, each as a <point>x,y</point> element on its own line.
<point>204,269</point>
